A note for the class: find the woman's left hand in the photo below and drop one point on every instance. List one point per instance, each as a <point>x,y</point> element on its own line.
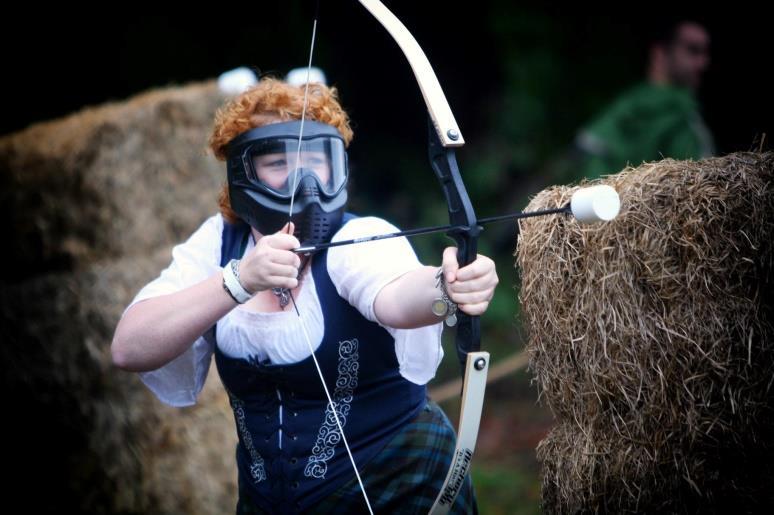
<point>470,287</point>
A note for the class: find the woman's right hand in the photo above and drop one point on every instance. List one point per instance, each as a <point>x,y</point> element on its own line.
<point>271,264</point>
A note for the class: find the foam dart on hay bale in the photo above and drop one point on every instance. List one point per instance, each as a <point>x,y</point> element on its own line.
<point>598,203</point>
<point>651,339</point>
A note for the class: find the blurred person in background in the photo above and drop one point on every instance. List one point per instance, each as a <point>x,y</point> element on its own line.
<point>656,118</point>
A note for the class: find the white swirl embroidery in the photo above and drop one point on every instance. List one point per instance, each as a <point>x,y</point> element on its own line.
<point>257,469</point>
<point>329,435</point>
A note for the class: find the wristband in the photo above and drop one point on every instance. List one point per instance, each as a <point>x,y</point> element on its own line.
<point>231,282</point>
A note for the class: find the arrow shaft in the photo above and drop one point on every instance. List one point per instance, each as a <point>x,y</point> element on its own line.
<point>429,230</point>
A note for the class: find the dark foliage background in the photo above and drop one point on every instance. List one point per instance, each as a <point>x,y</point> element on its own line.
<point>521,78</point>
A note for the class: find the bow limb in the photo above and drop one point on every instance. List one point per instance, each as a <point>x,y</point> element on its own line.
<point>443,136</point>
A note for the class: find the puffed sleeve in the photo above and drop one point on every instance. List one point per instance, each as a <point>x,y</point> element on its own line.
<point>179,382</point>
<point>361,270</point>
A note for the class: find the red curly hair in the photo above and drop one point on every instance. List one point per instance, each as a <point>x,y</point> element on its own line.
<point>262,104</point>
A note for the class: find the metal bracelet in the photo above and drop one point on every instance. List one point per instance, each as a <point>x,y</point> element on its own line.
<point>443,305</point>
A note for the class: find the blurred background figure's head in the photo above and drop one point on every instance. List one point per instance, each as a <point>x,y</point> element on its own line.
<point>679,53</point>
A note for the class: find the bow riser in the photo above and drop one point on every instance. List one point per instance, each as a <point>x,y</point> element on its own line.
<point>465,233</point>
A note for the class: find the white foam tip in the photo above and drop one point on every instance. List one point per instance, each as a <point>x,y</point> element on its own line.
<point>237,80</point>
<point>599,203</point>
<point>297,76</point>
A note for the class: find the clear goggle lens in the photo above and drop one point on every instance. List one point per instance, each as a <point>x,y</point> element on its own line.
<point>278,166</point>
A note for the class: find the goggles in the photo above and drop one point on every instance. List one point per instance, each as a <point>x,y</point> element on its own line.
<point>271,161</point>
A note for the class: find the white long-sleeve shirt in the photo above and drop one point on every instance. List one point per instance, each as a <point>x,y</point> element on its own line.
<point>357,271</point>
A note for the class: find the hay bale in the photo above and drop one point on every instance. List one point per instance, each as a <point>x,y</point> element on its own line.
<point>93,204</point>
<point>96,436</point>
<point>117,179</point>
<point>651,339</point>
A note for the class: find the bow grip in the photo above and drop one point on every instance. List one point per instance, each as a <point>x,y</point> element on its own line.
<point>465,234</point>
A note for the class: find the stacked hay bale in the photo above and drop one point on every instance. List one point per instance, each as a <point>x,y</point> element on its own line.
<point>651,340</point>
<point>92,205</point>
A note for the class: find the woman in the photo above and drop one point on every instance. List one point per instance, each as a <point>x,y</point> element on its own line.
<point>363,323</point>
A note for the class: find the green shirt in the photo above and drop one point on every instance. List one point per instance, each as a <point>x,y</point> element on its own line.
<point>648,122</point>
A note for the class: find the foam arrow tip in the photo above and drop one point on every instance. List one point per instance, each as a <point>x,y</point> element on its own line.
<point>599,203</point>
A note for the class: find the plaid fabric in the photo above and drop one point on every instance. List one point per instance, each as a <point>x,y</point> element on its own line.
<point>405,477</point>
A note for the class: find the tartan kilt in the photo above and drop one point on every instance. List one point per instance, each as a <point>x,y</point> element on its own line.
<point>405,477</point>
